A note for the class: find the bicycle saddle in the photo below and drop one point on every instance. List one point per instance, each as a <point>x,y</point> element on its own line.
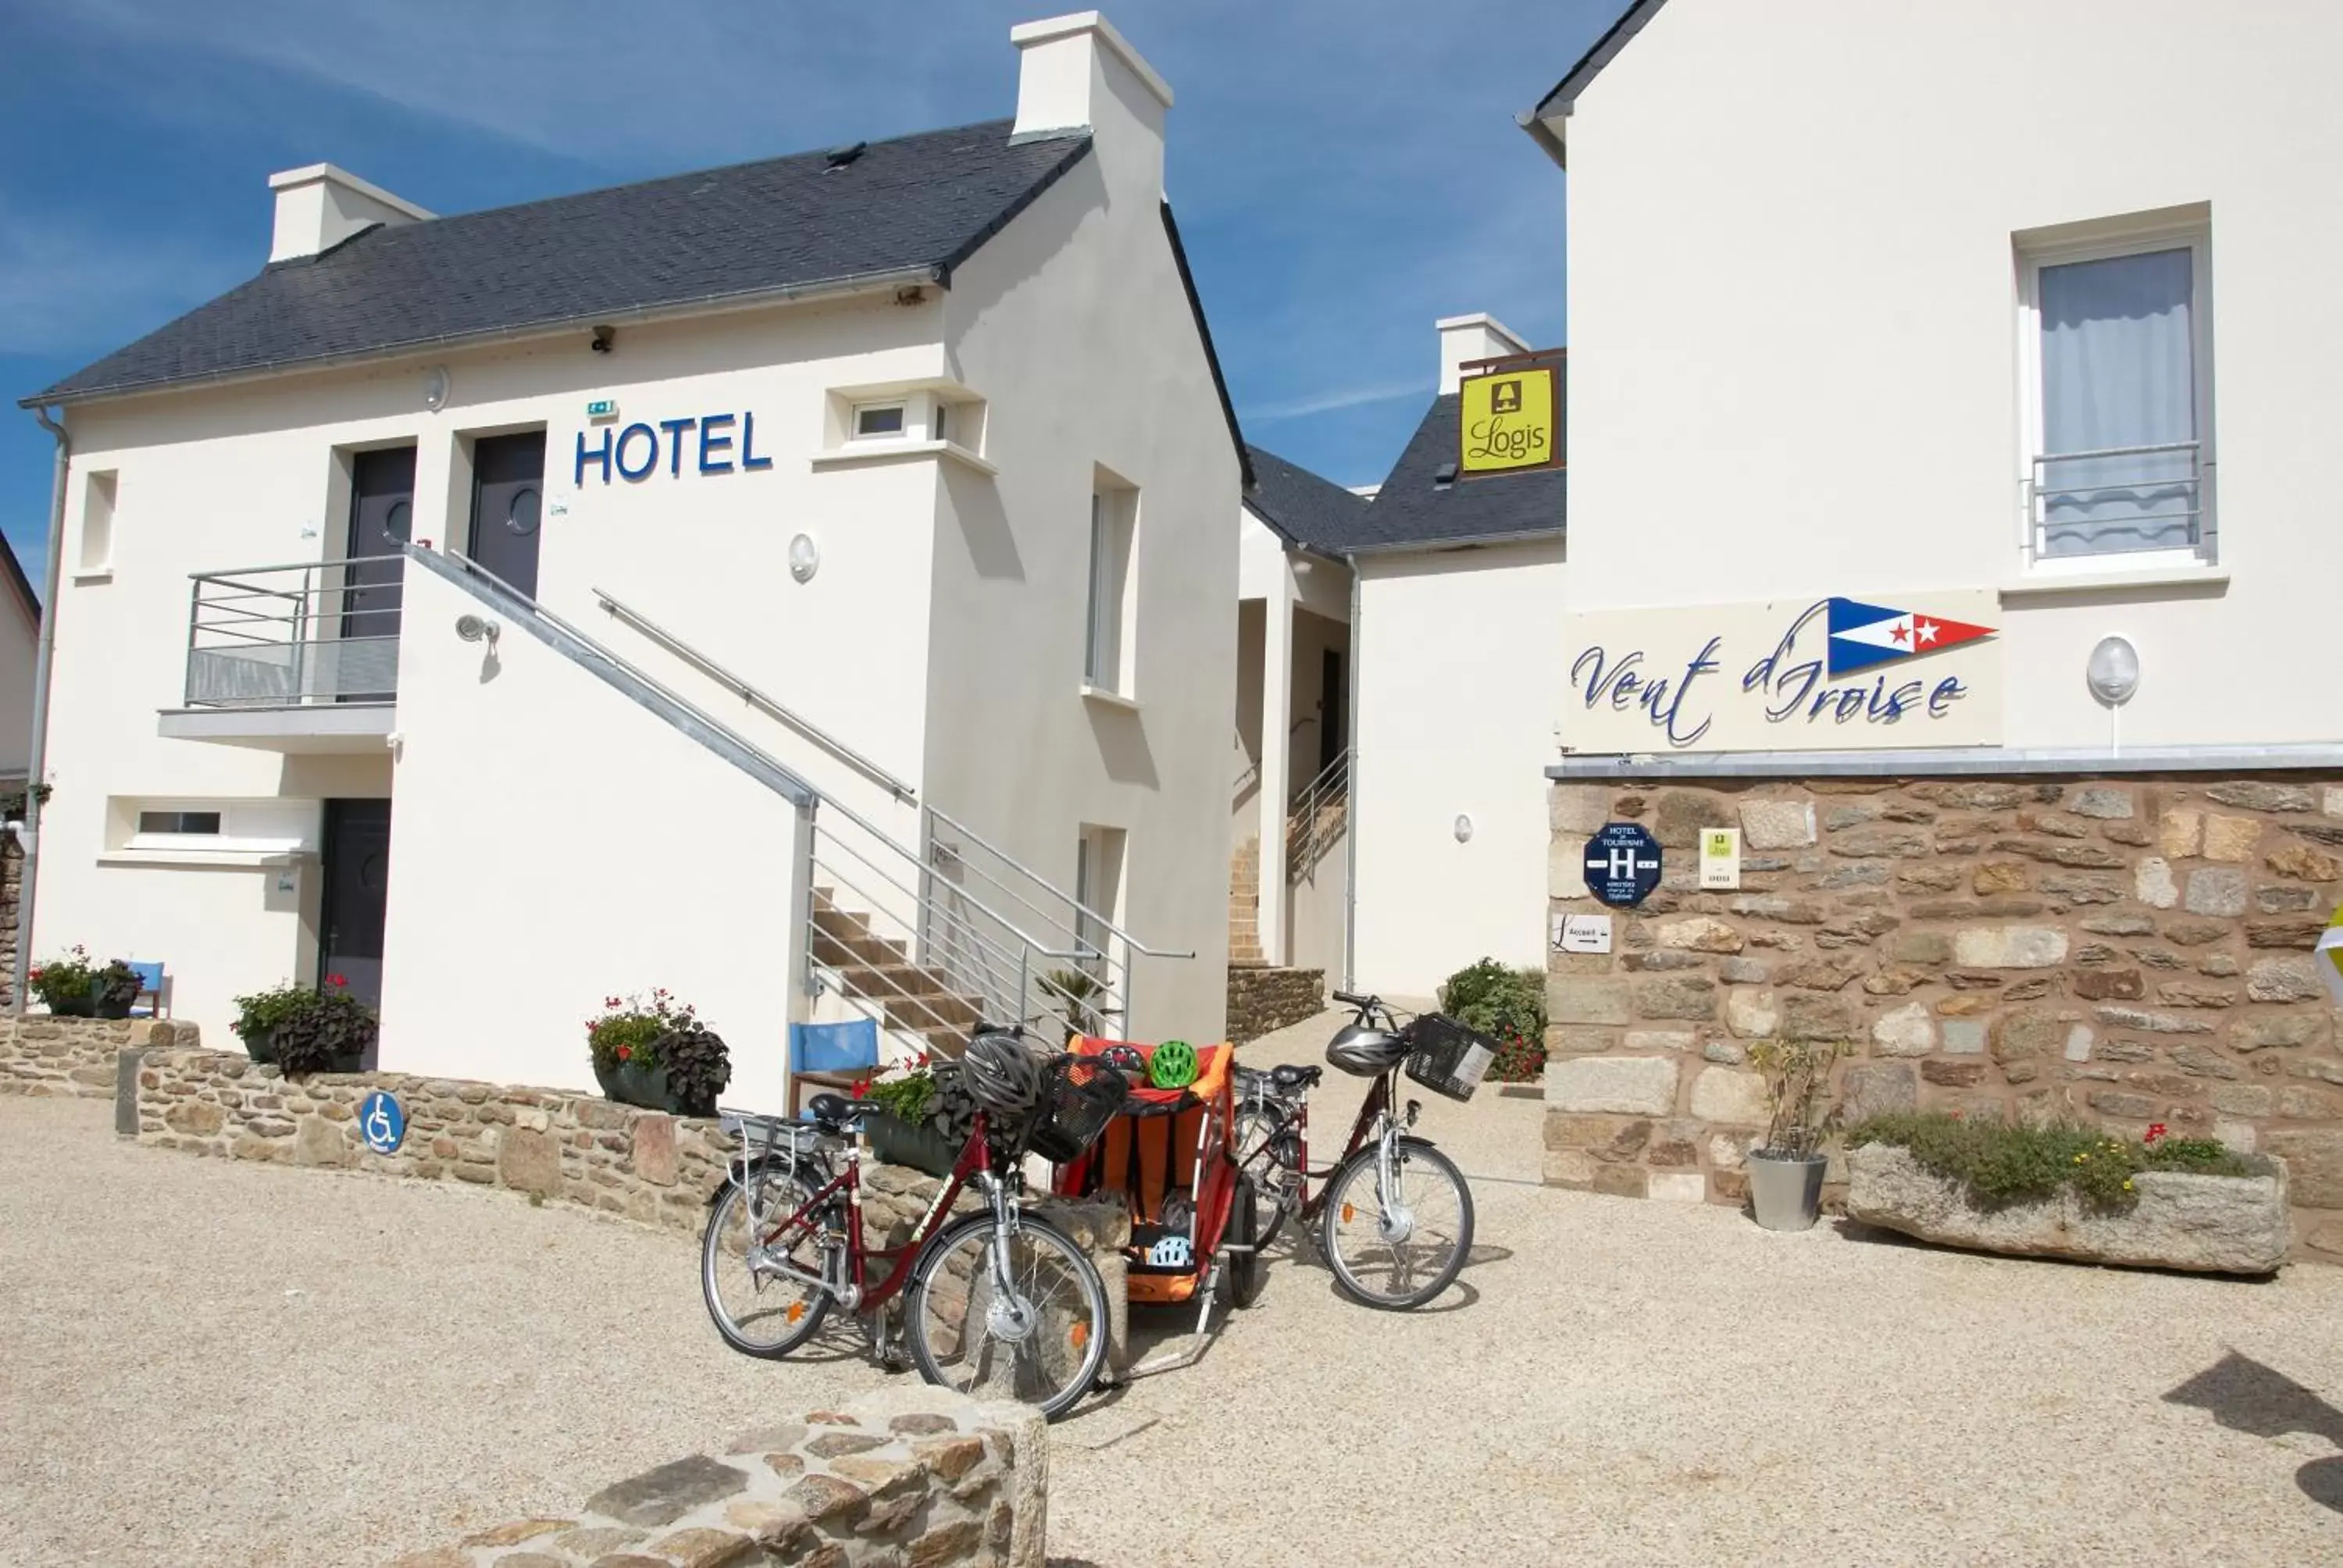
<point>1287,1075</point>
<point>830,1112</point>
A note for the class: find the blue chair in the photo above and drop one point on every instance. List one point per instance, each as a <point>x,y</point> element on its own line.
<point>150,985</point>
<point>840,1056</point>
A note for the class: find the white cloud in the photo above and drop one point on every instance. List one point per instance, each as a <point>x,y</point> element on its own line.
<point>1328,402</point>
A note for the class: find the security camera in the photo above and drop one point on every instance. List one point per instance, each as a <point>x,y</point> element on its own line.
<point>603,337</point>
<point>909,294</point>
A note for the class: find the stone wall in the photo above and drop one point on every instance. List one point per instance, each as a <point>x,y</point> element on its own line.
<point>1263,1000</point>
<point>2114,950</point>
<point>77,1057</point>
<point>916,1478</point>
<point>12,891</point>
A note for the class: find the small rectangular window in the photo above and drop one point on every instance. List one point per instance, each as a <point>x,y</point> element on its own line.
<point>943,422</point>
<point>877,419</point>
<point>1106,654</point>
<point>196,822</point>
<point>98,524</point>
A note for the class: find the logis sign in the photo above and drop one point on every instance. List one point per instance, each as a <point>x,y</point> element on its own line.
<point>1798,674</point>
<point>1510,420</point>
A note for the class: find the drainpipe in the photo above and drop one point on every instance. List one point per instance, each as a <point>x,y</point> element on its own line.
<point>36,768</point>
<point>1351,839</point>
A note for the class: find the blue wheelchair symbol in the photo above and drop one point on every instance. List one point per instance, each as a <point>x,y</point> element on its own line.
<point>382,1123</point>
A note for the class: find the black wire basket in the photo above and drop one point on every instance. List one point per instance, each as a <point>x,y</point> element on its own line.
<point>1447,1058</point>
<point>1081,1096</point>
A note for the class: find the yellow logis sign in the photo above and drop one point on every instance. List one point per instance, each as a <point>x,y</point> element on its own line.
<point>1510,421</point>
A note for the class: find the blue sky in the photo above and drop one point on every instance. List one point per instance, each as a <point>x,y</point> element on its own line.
<point>1345,173</point>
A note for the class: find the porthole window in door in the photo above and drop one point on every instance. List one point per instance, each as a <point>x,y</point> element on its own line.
<point>521,519</point>
<point>395,523</point>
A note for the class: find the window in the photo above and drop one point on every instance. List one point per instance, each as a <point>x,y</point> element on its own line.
<point>943,431</point>
<point>98,524</point>
<point>1098,889</point>
<point>2119,398</point>
<point>877,419</point>
<point>202,822</point>
<point>1107,662</point>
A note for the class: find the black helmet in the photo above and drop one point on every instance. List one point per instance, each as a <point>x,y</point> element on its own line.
<point>1001,1074</point>
<point>1366,1052</point>
<point>1124,1059</point>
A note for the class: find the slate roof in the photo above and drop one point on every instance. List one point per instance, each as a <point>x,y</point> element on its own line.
<point>919,202</point>
<point>1314,513</point>
<point>1606,48</point>
<point>1414,510</point>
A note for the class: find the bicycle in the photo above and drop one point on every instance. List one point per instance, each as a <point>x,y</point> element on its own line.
<point>997,1302</point>
<point>1395,1215</point>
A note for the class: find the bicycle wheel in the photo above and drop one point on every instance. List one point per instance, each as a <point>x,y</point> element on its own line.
<point>1262,1142</point>
<point>1402,1256</point>
<point>1244,1268</point>
<point>758,1311</point>
<point>1040,1343</point>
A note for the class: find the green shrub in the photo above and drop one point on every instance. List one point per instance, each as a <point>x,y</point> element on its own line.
<point>1999,1164</point>
<point>259,1014</point>
<point>1798,1114</point>
<point>328,1030</point>
<point>1496,1000</point>
<point>699,1065</point>
<point>71,979</point>
<point>630,1028</point>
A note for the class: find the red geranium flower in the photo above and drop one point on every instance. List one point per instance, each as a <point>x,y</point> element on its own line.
<point>861,1090</point>
<point>335,981</point>
<point>626,1052</point>
<point>2154,1132</point>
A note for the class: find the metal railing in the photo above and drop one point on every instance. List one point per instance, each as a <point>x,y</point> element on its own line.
<point>2118,500</point>
<point>1319,817</point>
<point>295,635</point>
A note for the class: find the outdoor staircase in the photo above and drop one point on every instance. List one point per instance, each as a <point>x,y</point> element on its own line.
<point>1318,817</point>
<point>877,972</point>
<point>1245,905</point>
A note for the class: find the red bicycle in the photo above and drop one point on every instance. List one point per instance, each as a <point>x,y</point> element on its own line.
<point>998,1302</point>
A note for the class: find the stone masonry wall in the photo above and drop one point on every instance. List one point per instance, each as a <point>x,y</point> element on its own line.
<point>12,890</point>
<point>77,1057</point>
<point>914,1478</point>
<point>1263,1000</point>
<point>2118,951</point>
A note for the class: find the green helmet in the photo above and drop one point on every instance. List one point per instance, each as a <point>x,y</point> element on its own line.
<point>1173,1065</point>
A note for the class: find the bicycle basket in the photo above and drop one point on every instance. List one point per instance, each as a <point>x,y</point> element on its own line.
<point>1081,1096</point>
<point>1447,1058</point>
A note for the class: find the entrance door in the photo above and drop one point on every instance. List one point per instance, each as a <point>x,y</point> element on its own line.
<point>1333,709</point>
<point>382,518</point>
<point>358,884</point>
<point>508,504</point>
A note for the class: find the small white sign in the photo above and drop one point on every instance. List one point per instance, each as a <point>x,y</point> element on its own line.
<point>1582,933</point>
<point>1720,859</point>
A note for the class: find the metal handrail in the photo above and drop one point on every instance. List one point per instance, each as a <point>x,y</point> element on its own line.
<point>758,699</point>
<point>1133,943</point>
<point>1308,832</point>
<point>255,643</point>
<point>2187,488</point>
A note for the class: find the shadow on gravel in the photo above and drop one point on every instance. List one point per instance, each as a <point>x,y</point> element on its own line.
<point>2244,1395</point>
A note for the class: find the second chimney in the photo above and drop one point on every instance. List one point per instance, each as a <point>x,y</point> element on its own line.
<point>319,206</point>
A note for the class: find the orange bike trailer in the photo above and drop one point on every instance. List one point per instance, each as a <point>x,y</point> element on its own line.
<point>1167,1155</point>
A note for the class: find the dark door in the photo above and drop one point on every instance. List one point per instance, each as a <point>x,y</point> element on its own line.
<point>508,504</point>
<point>382,517</point>
<point>358,884</point>
<point>1333,709</point>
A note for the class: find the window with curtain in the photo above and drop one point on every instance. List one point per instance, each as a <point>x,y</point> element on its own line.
<point>2120,463</point>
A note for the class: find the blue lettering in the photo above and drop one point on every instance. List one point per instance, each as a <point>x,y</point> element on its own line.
<point>650,457</point>
<point>1948,691</point>
<point>1887,707</point>
<point>749,458</point>
<point>1623,692</point>
<point>1702,664</point>
<point>710,443</point>
<point>675,429</point>
<point>585,457</point>
<point>1850,704</point>
<point>1603,677</point>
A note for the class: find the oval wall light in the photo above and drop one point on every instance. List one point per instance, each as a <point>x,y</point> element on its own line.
<point>435,386</point>
<point>805,557</point>
<point>2113,672</point>
<point>1464,829</point>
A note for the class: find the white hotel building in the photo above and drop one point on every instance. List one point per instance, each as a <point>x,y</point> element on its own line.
<point>806,586</point>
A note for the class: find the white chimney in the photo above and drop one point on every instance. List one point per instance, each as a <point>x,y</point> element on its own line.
<point>1464,338</point>
<point>321,206</point>
<point>1077,73</point>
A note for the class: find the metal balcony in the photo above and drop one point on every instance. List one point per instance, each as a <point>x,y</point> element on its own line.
<point>2120,501</point>
<point>296,657</point>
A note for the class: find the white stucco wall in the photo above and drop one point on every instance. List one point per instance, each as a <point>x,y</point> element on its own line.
<point>1794,343</point>
<point>1074,321</point>
<point>627,857</point>
<point>1459,687</point>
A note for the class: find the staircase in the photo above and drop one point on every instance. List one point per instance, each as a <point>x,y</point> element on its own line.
<point>1245,905</point>
<point>911,1001</point>
<point>1318,817</point>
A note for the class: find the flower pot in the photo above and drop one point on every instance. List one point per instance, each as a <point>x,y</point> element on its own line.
<point>1785,1191</point>
<point>647,1088</point>
<point>105,1007</point>
<point>261,1045</point>
<point>895,1141</point>
<point>83,1005</point>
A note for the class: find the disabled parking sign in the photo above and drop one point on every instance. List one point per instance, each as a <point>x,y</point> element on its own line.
<point>1623,864</point>
<point>382,1123</point>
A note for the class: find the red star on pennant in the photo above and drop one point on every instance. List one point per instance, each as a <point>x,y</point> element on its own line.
<point>1902,632</point>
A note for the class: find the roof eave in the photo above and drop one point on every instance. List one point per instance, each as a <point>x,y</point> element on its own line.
<point>1544,122</point>
<point>1466,542</point>
<point>921,275</point>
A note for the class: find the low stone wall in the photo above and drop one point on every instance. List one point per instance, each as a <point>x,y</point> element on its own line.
<point>1263,1000</point>
<point>77,1057</point>
<point>2120,951</point>
<point>12,893</point>
<point>917,1478</point>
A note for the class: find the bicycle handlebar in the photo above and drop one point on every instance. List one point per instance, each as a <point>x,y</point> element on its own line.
<point>1349,1000</point>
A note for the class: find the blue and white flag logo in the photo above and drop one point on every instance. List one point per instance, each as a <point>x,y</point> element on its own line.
<point>1862,635</point>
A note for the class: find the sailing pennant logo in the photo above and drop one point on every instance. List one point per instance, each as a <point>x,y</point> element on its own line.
<point>1862,635</point>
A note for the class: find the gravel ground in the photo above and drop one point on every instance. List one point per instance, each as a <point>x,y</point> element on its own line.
<point>224,1363</point>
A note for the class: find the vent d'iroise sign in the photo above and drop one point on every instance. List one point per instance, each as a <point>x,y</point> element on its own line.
<point>1795,675</point>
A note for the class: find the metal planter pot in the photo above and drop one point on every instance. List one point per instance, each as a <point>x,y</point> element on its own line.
<point>1785,1191</point>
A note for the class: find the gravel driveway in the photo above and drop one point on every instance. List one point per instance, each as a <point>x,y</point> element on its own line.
<point>213,1362</point>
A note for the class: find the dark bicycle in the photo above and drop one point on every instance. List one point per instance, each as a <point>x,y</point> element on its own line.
<point>1395,1215</point>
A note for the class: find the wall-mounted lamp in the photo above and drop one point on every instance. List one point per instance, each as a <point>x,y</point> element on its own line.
<point>805,557</point>
<point>2113,672</point>
<point>435,386</point>
<point>1464,829</point>
<point>472,628</point>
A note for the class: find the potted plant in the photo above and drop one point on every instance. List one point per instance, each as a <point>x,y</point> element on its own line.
<point>258,1015</point>
<point>1786,1171</point>
<point>917,1115</point>
<point>638,1042</point>
<point>328,1030</point>
<point>1074,990</point>
<point>67,985</point>
<point>114,988</point>
<point>1508,1005</point>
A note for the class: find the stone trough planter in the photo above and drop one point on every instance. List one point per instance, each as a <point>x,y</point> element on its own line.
<point>2206,1225</point>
